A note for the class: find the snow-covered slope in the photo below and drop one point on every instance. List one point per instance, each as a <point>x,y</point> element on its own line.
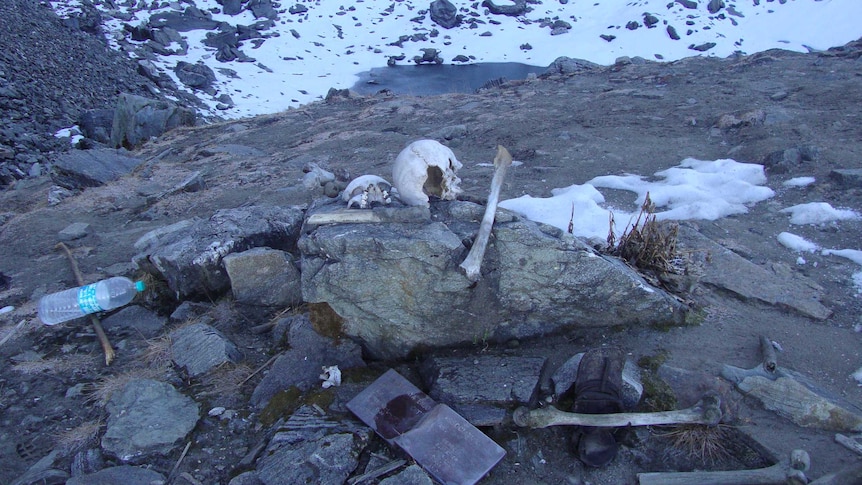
<point>296,57</point>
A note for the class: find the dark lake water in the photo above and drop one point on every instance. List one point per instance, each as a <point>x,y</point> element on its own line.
<point>431,79</point>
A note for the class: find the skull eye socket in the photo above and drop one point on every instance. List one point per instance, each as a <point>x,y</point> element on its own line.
<point>434,183</point>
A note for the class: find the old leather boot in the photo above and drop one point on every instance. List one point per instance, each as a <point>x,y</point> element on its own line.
<point>597,391</point>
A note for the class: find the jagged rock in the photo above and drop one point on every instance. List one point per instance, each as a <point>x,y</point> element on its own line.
<point>671,32</point>
<point>231,7</point>
<point>75,230</point>
<point>715,5</point>
<point>414,294</point>
<point>298,9</point>
<point>650,20</point>
<point>96,124</point>
<point>567,65</point>
<point>519,8</point>
<point>445,14</point>
<point>310,448</point>
<point>188,254</point>
<point>197,76</point>
<point>135,319</point>
<point>301,365</point>
<point>265,277</point>
<point>262,9</point>
<point>847,178</point>
<point>137,119</point>
<point>702,47</point>
<point>192,18</point>
<point>777,285</point>
<point>91,168</point>
<point>200,347</point>
<point>147,417</point>
<point>690,4</point>
<point>125,474</point>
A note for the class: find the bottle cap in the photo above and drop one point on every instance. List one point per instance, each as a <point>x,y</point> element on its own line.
<point>140,286</point>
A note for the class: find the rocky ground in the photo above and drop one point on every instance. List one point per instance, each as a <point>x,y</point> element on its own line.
<point>60,401</point>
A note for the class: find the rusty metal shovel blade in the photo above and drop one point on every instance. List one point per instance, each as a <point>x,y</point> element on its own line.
<point>446,445</point>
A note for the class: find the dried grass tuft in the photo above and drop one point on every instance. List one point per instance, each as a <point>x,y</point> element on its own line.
<point>648,244</point>
<point>72,440</point>
<point>707,444</point>
<point>158,354</point>
<point>227,379</point>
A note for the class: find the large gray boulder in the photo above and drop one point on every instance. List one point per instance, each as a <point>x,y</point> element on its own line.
<point>398,285</point>
<point>189,254</point>
<point>137,119</point>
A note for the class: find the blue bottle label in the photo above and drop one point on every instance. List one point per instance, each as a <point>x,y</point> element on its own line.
<point>87,299</point>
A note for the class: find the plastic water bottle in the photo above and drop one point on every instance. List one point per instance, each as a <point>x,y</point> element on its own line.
<point>77,302</point>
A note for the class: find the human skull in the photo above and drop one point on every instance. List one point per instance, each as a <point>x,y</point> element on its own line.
<point>426,168</point>
<point>365,190</point>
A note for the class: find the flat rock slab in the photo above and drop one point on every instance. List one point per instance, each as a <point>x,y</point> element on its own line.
<point>134,319</point>
<point>126,474</point>
<point>728,271</point>
<point>200,348</point>
<point>147,417</point>
<point>78,169</point>
<point>485,379</point>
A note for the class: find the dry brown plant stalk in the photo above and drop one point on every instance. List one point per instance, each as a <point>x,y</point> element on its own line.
<point>698,442</point>
<point>648,244</point>
<point>226,379</point>
<point>72,440</point>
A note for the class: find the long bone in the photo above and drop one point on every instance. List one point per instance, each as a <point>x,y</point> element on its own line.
<point>473,262</point>
<point>706,411</point>
<point>789,473</point>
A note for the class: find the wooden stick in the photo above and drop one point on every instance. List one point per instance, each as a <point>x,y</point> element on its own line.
<point>706,411</point>
<point>770,361</point>
<point>473,262</point>
<point>97,325</point>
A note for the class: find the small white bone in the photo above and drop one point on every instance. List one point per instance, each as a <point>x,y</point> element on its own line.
<point>473,262</point>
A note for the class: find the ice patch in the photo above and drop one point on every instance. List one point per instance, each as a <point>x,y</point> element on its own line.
<point>818,213</point>
<point>799,182</point>
<point>797,243</point>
